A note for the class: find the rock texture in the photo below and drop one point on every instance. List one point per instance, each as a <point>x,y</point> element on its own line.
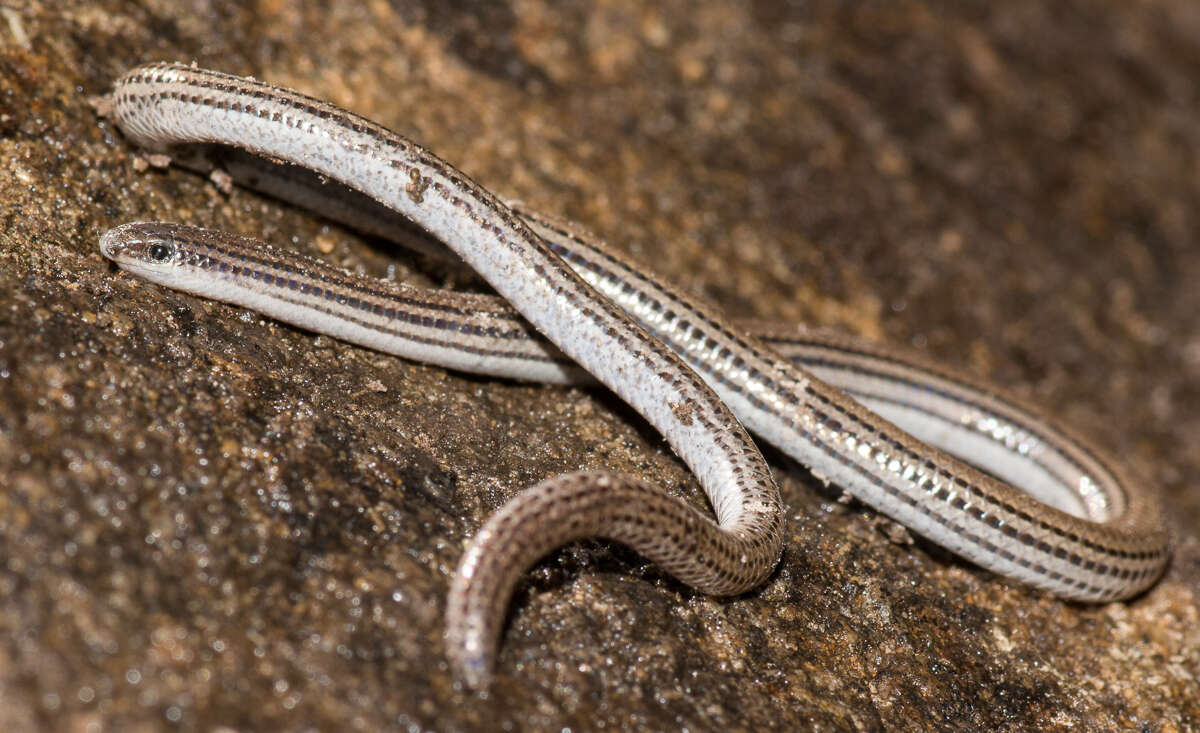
<point>213,522</point>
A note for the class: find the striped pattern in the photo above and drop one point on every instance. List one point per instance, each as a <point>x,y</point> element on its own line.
<point>1105,540</point>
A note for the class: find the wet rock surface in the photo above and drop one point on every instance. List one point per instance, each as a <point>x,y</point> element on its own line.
<point>209,519</point>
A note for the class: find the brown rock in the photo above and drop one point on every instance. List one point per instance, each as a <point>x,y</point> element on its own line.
<point>208,519</point>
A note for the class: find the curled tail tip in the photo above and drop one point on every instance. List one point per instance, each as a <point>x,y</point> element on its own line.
<point>472,672</point>
<point>471,657</point>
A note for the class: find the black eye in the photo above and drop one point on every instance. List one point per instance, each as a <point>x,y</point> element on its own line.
<point>161,252</point>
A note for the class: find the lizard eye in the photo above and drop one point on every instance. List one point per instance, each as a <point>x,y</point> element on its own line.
<point>161,252</point>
